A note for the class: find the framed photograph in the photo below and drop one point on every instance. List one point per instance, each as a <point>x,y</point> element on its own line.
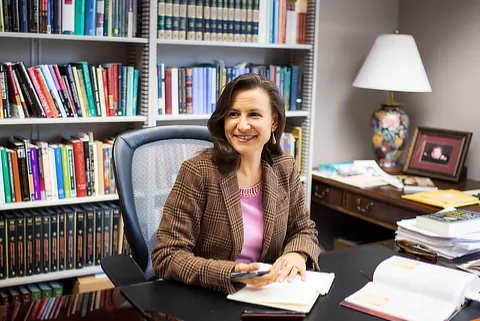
<point>437,153</point>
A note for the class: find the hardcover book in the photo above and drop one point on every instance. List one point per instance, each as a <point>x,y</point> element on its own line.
<point>450,223</point>
<point>406,289</point>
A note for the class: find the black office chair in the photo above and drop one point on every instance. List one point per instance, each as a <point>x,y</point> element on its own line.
<point>146,162</point>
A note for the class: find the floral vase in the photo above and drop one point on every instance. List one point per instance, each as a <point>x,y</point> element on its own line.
<point>389,134</point>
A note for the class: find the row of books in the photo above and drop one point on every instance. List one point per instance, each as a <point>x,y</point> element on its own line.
<point>268,21</point>
<point>195,89</point>
<point>30,292</point>
<point>80,17</point>
<point>71,90</point>
<point>51,239</point>
<point>79,166</point>
<point>291,142</point>
<point>100,305</point>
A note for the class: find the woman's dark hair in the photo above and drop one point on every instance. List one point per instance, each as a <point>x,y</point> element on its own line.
<point>224,155</point>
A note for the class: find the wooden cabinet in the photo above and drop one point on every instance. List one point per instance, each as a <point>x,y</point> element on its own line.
<point>382,206</point>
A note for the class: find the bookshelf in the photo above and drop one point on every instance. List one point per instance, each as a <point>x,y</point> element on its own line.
<point>145,52</point>
<point>174,52</point>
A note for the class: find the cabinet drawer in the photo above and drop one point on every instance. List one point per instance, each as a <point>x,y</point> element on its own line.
<point>327,194</point>
<point>376,210</point>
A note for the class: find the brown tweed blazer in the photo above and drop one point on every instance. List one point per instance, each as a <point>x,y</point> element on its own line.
<point>201,230</point>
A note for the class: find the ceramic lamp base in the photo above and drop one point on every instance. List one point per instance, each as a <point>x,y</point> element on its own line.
<point>389,127</point>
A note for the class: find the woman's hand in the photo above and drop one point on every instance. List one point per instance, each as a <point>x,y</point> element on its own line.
<point>257,281</point>
<point>288,266</point>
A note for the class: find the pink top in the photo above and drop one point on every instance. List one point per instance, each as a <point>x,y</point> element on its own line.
<point>252,210</point>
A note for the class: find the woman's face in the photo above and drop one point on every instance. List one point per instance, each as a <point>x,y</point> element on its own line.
<point>250,121</point>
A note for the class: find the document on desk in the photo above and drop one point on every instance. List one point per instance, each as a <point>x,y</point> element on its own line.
<point>297,295</point>
<point>410,290</point>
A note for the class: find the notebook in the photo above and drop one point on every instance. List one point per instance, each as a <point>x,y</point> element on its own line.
<point>406,289</point>
<point>297,295</point>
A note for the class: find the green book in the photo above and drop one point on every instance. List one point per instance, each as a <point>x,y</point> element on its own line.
<point>57,288</point>
<point>6,175</point>
<point>35,293</point>
<point>45,289</point>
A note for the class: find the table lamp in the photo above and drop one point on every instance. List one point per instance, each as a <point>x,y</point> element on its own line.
<point>393,64</point>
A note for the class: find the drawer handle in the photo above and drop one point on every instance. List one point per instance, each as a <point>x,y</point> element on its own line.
<point>322,194</point>
<point>365,209</point>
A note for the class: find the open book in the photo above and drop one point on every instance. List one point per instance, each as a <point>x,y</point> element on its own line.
<point>405,289</point>
<point>297,295</point>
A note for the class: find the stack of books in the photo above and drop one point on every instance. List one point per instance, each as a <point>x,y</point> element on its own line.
<point>451,233</point>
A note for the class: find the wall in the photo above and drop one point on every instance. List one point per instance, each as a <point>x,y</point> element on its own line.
<point>447,33</point>
<point>348,29</point>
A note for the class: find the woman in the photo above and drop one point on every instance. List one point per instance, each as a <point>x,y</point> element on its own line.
<point>240,202</point>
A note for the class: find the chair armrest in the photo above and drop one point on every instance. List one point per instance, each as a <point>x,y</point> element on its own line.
<point>122,270</point>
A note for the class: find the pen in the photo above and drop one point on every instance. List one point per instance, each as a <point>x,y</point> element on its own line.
<point>366,276</point>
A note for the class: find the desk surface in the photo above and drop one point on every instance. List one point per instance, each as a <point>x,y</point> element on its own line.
<point>173,298</point>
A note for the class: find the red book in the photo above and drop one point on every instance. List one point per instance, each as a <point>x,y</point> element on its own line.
<point>79,160</point>
<point>40,93</point>
<point>168,92</point>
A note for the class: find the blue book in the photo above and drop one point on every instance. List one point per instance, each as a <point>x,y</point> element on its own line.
<point>90,17</point>
<point>135,91</point>
<point>294,88</point>
<point>59,171</point>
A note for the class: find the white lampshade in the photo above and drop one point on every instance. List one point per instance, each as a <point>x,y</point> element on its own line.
<point>393,64</point>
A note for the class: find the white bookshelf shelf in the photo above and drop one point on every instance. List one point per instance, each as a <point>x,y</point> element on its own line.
<point>44,36</point>
<point>51,276</point>
<point>183,117</point>
<point>65,201</point>
<point>233,44</point>
<point>297,113</point>
<point>72,120</point>
<point>159,118</point>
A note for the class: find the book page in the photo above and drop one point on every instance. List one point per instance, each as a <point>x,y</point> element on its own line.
<point>297,295</point>
<point>418,277</point>
<point>395,304</point>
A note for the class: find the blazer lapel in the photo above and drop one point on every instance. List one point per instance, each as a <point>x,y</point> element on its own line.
<point>270,192</point>
<point>231,195</point>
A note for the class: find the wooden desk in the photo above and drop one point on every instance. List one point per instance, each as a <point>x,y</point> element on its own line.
<point>381,206</point>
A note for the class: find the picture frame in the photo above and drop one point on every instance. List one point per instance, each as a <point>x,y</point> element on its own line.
<point>437,153</point>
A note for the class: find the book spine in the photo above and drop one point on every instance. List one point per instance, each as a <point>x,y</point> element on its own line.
<point>107,230</point>
<point>30,245</point>
<point>20,246</point>
<point>98,235</point>
<point>115,225</point>
<point>61,241</point>
<point>54,242</point>
<point>90,230</point>
<point>46,243</point>
<point>70,237</point>
<point>38,246</point>
<point>80,241</point>
<point>12,247</point>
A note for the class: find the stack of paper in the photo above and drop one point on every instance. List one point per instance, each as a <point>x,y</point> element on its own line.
<point>297,295</point>
<point>447,247</point>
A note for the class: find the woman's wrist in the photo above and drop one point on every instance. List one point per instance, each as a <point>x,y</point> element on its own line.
<point>303,256</point>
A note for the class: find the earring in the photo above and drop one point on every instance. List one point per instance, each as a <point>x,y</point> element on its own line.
<point>274,141</point>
